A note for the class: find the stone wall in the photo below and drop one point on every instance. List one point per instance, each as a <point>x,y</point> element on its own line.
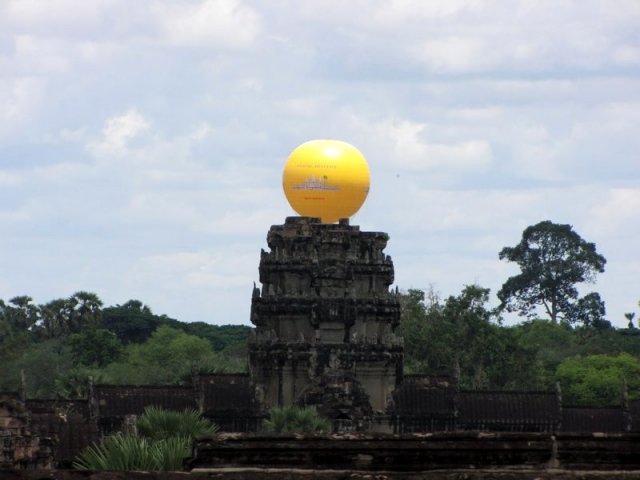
<point>19,448</point>
<point>421,452</point>
<point>310,474</point>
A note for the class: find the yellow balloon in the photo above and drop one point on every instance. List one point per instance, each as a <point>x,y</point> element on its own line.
<point>327,179</point>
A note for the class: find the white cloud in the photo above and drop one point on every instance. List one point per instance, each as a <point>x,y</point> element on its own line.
<point>618,213</point>
<point>9,179</point>
<point>456,54</point>
<point>225,268</point>
<point>19,100</point>
<point>190,108</point>
<point>119,131</point>
<point>627,55</point>
<point>51,15</point>
<point>208,23</point>
<point>410,150</point>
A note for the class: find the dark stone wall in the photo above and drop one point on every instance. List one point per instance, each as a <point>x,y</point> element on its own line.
<point>297,474</point>
<point>421,452</point>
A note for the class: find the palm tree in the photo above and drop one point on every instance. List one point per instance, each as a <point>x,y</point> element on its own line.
<point>629,316</point>
<point>55,317</point>
<point>87,310</point>
<point>21,313</point>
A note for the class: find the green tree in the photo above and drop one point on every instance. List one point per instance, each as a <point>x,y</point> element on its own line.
<point>551,342</point>
<point>55,318</point>
<point>42,363</point>
<point>414,330</point>
<point>598,380</point>
<point>167,357</point>
<point>20,314</point>
<point>132,322</point>
<point>95,347</point>
<point>552,258</point>
<point>461,336</point>
<point>64,316</point>
<point>589,311</point>
<point>74,381</point>
<point>87,310</point>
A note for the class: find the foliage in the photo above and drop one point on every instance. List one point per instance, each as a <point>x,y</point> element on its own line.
<point>157,423</point>
<point>117,452</point>
<point>54,318</point>
<point>599,379</point>
<point>296,420</point>
<point>121,452</point>
<point>132,322</point>
<point>74,383</point>
<point>62,343</point>
<point>552,258</point>
<point>164,440</point>
<point>590,311</point>
<point>551,343</point>
<point>19,315</point>
<point>64,316</point>
<point>434,333</point>
<point>414,329</point>
<point>166,358</point>
<point>42,363</point>
<point>95,347</point>
<point>221,337</point>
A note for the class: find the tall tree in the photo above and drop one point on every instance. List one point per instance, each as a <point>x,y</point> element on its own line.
<point>56,316</point>
<point>589,311</point>
<point>21,314</point>
<point>87,310</point>
<point>461,336</point>
<point>552,258</point>
<point>132,322</point>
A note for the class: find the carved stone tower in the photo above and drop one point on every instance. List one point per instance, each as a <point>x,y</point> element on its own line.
<point>325,321</point>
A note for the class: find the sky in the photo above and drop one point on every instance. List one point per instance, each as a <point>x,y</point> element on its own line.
<point>142,143</point>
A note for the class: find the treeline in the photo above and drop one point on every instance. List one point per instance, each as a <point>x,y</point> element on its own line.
<point>462,337</point>
<point>55,347</point>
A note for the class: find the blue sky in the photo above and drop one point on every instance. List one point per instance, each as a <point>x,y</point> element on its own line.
<point>142,143</point>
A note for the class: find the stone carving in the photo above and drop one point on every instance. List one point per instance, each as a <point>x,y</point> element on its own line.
<point>325,309</point>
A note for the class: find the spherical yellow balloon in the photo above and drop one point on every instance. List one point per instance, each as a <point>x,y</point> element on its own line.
<point>327,179</point>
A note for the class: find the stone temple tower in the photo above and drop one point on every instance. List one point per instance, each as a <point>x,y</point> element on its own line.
<point>325,321</point>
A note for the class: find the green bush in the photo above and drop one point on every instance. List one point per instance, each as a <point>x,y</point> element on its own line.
<point>296,420</point>
<point>118,452</point>
<point>165,439</point>
<point>597,380</point>
<point>157,423</point>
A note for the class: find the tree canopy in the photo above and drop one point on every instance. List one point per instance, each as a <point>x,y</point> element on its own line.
<point>599,379</point>
<point>553,259</point>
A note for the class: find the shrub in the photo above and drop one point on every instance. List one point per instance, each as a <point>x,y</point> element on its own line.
<point>165,439</point>
<point>157,423</point>
<point>118,452</point>
<point>296,420</point>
